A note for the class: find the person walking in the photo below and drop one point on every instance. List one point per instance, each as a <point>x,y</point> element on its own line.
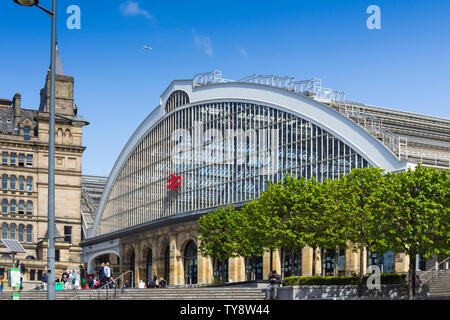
<point>101,273</point>
<point>107,272</point>
<point>274,285</point>
<point>2,283</point>
<point>44,280</point>
<point>22,271</point>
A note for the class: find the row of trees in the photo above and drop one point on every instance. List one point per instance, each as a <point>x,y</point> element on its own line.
<point>406,212</point>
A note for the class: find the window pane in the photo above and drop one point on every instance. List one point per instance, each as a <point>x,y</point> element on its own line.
<point>26,133</point>
<point>29,233</point>
<point>29,184</point>
<point>4,206</point>
<point>21,230</point>
<point>29,160</point>
<point>5,158</point>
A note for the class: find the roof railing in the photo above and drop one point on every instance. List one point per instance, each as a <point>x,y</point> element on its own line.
<point>312,88</point>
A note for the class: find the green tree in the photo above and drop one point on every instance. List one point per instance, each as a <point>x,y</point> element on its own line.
<point>217,235</point>
<point>335,221</point>
<point>359,192</point>
<point>308,222</point>
<point>415,215</point>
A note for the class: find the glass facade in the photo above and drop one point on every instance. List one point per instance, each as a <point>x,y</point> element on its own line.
<point>222,153</point>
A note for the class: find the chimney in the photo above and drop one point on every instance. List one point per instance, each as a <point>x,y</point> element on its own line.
<point>17,100</point>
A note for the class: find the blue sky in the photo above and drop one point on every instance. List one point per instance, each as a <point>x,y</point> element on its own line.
<point>405,65</point>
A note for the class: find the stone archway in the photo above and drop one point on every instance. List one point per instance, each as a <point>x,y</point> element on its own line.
<point>190,263</point>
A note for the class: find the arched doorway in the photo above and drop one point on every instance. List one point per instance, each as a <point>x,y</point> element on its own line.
<point>190,263</point>
<point>132,268</point>
<point>292,264</point>
<point>167,265</point>
<point>220,270</point>
<point>254,268</point>
<point>149,264</point>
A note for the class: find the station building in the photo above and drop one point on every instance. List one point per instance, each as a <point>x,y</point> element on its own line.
<point>215,142</point>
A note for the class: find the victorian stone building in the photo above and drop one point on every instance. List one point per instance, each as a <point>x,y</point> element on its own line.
<point>24,176</point>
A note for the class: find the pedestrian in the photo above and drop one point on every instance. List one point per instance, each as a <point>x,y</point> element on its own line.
<point>90,282</point>
<point>107,272</point>
<point>22,271</point>
<point>2,282</point>
<point>162,283</point>
<point>71,280</point>
<point>141,284</point>
<point>418,283</point>
<point>125,286</point>
<point>44,280</point>
<point>101,273</point>
<point>65,282</point>
<point>274,285</point>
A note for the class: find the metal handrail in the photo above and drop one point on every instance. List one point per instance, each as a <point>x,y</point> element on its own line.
<point>435,268</point>
<point>115,287</point>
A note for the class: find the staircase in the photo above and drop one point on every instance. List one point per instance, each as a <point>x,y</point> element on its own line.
<point>148,294</point>
<point>437,280</point>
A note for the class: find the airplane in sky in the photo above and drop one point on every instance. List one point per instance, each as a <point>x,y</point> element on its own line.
<point>147,47</point>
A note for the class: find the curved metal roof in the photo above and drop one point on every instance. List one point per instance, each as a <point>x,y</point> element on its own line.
<point>319,114</point>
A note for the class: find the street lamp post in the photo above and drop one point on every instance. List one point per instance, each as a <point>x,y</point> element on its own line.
<point>51,294</point>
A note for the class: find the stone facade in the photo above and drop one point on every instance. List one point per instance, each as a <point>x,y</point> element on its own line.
<point>24,135</point>
<point>135,249</point>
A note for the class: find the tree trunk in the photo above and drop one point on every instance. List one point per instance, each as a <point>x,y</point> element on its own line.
<point>412,275</point>
<point>223,271</point>
<point>361,269</point>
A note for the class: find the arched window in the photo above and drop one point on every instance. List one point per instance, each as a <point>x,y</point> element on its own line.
<point>132,268</point>
<point>21,232</point>
<point>4,206</point>
<point>149,264</point>
<point>30,258</point>
<point>12,206</point>
<point>167,264</point>
<point>12,182</point>
<point>4,182</point>
<point>29,233</point>
<point>254,268</point>
<point>220,270</point>
<point>29,207</point>
<point>190,263</point>
<point>177,99</point>
<point>21,207</point>
<point>4,230</point>
<point>29,184</point>
<point>21,183</point>
<point>292,265</point>
<point>12,231</point>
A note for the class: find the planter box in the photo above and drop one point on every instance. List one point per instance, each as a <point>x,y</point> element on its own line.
<point>340,292</point>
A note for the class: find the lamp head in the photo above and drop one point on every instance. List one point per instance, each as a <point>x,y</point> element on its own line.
<point>27,3</point>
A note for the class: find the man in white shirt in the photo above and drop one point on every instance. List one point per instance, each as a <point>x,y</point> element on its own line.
<point>107,271</point>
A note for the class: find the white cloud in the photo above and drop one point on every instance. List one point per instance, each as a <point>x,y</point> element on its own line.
<point>203,43</point>
<point>242,52</point>
<point>131,8</point>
